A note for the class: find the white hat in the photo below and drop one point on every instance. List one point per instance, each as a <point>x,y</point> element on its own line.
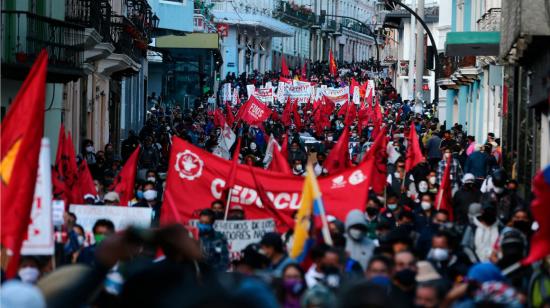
<point>19,294</point>
<point>111,196</point>
<point>426,272</point>
<point>468,178</point>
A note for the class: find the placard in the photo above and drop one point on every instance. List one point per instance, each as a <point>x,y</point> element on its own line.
<point>241,233</point>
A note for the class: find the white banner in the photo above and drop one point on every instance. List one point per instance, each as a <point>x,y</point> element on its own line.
<point>265,95</point>
<point>241,233</point>
<point>356,95</point>
<point>226,92</point>
<point>281,92</point>
<point>370,88</point>
<point>338,95</point>
<point>235,97</point>
<point>40,238</point>
<point>121,216</point>
<point>300,83</point>
<point>300,93</point>
<point>250,89</point>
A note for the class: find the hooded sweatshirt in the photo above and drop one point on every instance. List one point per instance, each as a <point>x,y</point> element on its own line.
<point>359,250</point>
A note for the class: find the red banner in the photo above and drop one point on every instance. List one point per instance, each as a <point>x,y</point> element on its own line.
<point>196,178</point>
<point>254,112</point>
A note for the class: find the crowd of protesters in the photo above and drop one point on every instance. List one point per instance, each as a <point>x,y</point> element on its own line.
<point>400,251</point>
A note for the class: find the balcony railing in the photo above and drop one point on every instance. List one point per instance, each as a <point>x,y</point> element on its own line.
<point>91,14</point>
<point>25,34</point>
<point>127,39</point>
<point>300,16</point>
<point>330,26</point>
<point>449,65</point>
<point>490,21</point>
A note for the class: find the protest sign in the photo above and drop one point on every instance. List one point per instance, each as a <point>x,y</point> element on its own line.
<point>121,216</point>
<point>226,92</point>
<point>338,95</point>
<point>299,93</point>
<point>250,90</point>
<point>40,231</point>
<point>265,95</point>
<point>241,233</point>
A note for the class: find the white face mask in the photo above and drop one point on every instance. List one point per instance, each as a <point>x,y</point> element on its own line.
<point>253,146</point>
<point>371,128</point>
<point>80,239</point>
<point>438,254</point>
<point>425,205</point>
<point>498,190</point>
<point>90,149</point>
<point>150,194</point>
<point>298,167</point>
<point>432,180</point>
<point>354,135</point>
<point>392,206</point>
<point>29,274</point>
<point>423,187</point>
<point>356,234</point>
<point>330,138</point>
<point>151,179</point>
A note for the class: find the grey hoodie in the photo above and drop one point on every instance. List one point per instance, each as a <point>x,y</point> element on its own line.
<point>360,251</point>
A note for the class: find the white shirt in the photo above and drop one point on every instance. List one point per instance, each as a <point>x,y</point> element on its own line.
<point>313,277</point>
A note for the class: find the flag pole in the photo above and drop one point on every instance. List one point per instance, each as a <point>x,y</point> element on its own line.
<point>227,203</point>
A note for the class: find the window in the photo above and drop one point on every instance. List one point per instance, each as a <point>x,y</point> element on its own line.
<point>175,2</point>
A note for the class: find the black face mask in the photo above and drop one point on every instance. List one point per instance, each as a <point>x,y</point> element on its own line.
<point>218,215</point>
<point>523,226</point>
<point>372,211</point>
<point>406,277</point>
<point>488,218</point>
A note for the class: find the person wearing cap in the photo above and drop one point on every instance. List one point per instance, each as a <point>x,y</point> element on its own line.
<point>272,247</point>
<point>466,195</point>
<point>111,198</point>
<point>236,212</point>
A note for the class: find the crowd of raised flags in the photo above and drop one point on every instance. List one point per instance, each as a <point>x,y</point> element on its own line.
<point>354,218</point>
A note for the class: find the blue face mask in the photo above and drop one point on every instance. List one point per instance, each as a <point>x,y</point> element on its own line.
<point>139,194</point>
<point>204,227</point>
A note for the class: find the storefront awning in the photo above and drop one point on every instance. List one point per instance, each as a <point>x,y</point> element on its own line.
<point>193,40</point>
<point>266,26</point>
<point>459,44</point>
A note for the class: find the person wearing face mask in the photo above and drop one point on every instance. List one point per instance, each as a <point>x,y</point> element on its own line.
<point>358,245</point>
<point>213,243</point>
<point>432,182</point>
<point>318,166</point>
<point>480,236</point>
<point>101,229</point>
<point>272,247</point>
<point>236,212</point>
<point>466,195</point>
<point>403,280</point>
<point>218,207</point>
<point>443,259</point>
<point>423,214</point>
<point>293,286</point>
<point>495,190</point>
<point>456,170</point>
<point>150,200</point>
<point>29,269</point>
<point>296,153</point>
<point>389,213</point>
<point>372,215</point>
<point>88,152</point>
<point>395,179</point>
<point>298,168</point>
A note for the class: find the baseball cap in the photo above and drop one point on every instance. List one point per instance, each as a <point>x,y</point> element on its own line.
<point>468,178</point>
<point>272,239</point>
<point>111,196</point>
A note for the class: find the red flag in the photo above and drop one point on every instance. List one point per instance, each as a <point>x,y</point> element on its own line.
<point>284,68</point>
<point>279,162</point>
<point>285,80</point>
<point>332,64</point>
<point>443,199</point>
<point>378,153</point>
<point>254,112</point>
<point>352,86</point>
<point>304,72</point>
<point>338,158</point>
<point>540,207</point>
<point>85,180</point>
<point>71,173</point>
<point>124,182</point>
<point>229,118</point>
<point>219,119</point>
<point>58,181</point>
<point>285,119</point>
<point>20,139</point>
<point>235,162</point>
<point>414,153</point>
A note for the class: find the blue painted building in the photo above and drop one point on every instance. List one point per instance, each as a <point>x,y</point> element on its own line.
<point>472,76</point>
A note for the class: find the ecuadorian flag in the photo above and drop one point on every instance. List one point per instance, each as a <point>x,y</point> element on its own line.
<point>304,228</point>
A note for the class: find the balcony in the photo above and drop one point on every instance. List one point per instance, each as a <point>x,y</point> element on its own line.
<point>296,15</point>
<point>201,24</point>
<point>456,71</point>
<point>130,45</point>
<point>490,21</point>
<point>330,26</point>
<point>25,34</point>
<point>95,14</point>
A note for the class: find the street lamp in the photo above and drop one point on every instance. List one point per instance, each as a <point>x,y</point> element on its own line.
<point>391,4</point>
<point>155,21</point>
